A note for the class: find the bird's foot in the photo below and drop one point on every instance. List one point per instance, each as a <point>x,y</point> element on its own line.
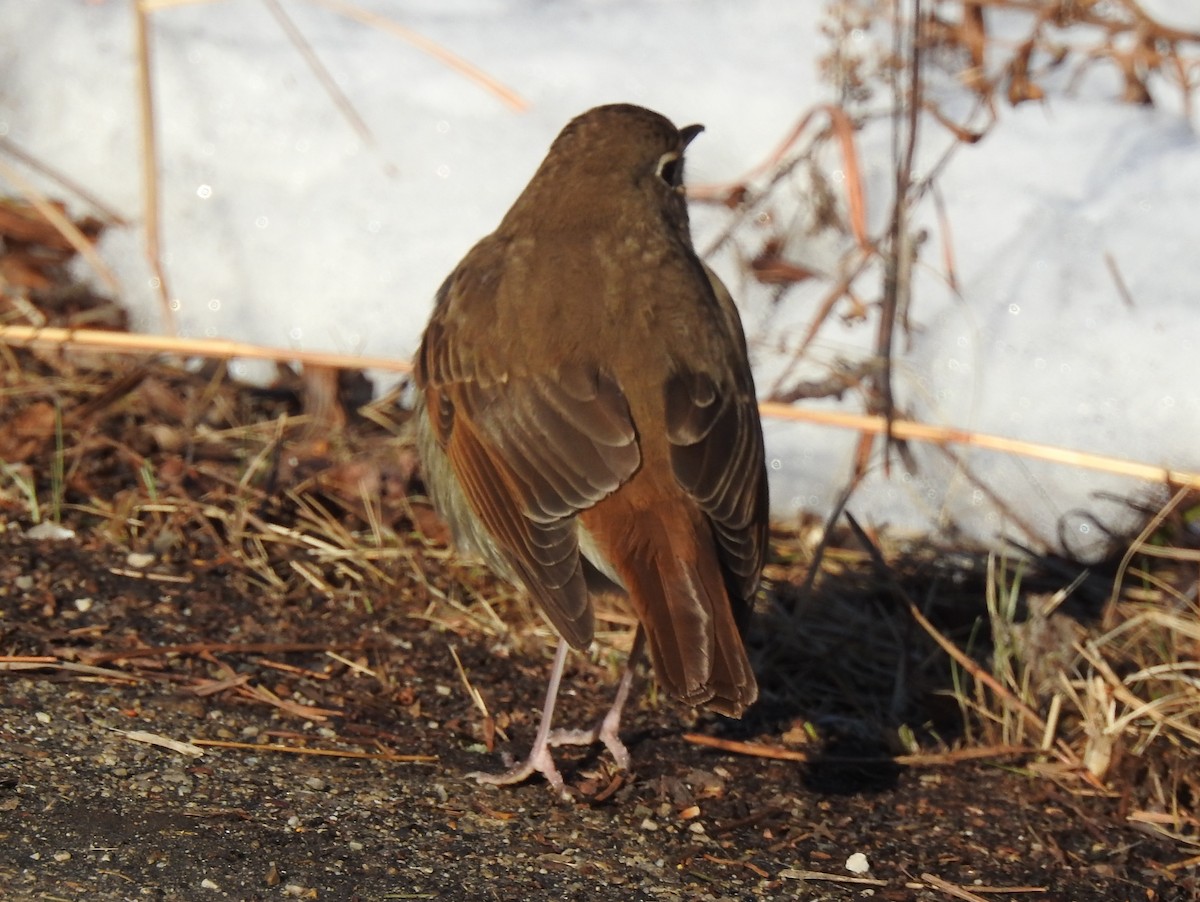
<point>539,761</point>
<point>604,732</point>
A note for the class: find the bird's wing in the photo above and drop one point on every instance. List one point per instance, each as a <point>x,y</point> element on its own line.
<point>530,452</point>
<point>717,454</point>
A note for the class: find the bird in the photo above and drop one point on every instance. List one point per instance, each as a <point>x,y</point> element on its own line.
<point>587,420</point>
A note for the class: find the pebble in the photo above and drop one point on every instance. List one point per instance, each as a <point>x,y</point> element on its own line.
<point>857,863</point>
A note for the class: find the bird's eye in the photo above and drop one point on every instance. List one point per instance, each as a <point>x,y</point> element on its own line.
<point>670,168</point>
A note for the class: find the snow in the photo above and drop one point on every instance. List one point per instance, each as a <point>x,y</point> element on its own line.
<point>282,227</point>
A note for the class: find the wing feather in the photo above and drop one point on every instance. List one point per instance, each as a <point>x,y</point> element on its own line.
<point>528,452</point>
<point>717,454</point>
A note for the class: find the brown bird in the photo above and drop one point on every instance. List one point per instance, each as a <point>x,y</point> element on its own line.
<point>588,420</point>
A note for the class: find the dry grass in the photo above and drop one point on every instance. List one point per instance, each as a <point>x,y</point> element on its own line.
<point>1094,672</point>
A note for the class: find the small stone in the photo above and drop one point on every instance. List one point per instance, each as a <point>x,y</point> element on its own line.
<point>649,825</point>
<point>857,863</point>
<point>48,530</point>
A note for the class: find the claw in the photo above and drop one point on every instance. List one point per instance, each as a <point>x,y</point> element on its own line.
<point>540,761</point>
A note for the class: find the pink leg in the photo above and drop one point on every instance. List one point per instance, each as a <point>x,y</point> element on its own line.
<point>539,759</point>
<point>608,730</point>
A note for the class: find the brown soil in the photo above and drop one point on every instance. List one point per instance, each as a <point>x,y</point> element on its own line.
<point>88,813</point>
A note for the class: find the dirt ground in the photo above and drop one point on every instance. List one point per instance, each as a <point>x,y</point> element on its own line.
<point>89,812</point>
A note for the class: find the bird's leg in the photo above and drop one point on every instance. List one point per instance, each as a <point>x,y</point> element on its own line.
<point>607,730</point>
<point>539,759</point>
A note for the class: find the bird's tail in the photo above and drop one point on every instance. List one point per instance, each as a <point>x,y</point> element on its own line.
<point>672,572</point>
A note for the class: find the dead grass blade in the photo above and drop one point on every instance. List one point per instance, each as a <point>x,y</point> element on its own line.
<point>162,742</point>
<point>489,722</point>
<point>1152,526</point>
<point>143,344</point>
<point>321,73</point>
<point>152,6</point>
<point>40,662</point>
<point>951,889</point>
<point>389,757</point>
<point>351,11</point>
<point>152,202</point>
<point>205,648</point>
<point>941,435</point>
<point>924,759</point>
<point>806,875</point>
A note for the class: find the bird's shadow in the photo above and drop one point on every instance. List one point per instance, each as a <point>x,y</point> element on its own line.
<point>849,677</point>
